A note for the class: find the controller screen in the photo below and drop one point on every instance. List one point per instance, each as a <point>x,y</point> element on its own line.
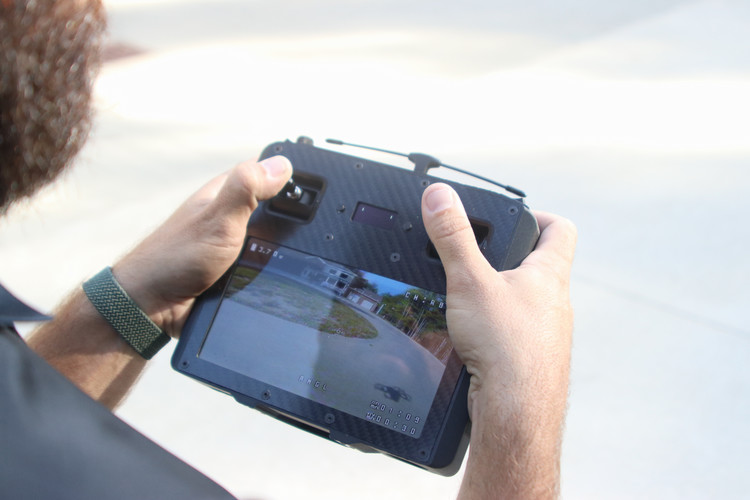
<point>354,341</point>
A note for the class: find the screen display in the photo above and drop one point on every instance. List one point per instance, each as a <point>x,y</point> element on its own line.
<point>351,340</point>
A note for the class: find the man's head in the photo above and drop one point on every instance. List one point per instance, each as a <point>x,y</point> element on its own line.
<point>49,52</point>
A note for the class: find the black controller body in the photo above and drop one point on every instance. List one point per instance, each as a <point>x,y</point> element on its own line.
<point>360,219</point>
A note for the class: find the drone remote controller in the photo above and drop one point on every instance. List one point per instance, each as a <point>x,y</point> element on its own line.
<point>332,319</point>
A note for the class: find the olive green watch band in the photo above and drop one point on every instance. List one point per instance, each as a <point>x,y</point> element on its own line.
<point>124,315</point>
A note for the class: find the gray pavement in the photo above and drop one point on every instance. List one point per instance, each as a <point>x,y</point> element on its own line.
<point>631,118</point>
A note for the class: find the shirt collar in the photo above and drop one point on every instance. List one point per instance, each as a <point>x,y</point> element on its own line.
<point>12,309</point>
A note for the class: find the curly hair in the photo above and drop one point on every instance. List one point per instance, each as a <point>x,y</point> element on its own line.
<point>49,54</point>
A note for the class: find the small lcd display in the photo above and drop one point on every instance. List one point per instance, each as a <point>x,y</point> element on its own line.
<point>354,341</point>
<point>374,216</point>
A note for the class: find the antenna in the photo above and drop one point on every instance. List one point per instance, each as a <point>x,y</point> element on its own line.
<point>423,163</point>
<point>342,143</point>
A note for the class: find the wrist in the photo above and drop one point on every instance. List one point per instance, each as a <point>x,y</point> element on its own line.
<point>124,315</point>
<point>147,296</point>
<point>514,397</point>
<point>515,449</point>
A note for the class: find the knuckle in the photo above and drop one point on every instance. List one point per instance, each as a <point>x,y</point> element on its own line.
<point>449,229</point>
<point>569,228</point>
<point>247,179</point>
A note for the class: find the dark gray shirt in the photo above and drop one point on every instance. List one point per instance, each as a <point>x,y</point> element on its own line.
<point>56,442</point>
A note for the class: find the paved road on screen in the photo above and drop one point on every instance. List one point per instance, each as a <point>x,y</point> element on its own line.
<point>332,369</point>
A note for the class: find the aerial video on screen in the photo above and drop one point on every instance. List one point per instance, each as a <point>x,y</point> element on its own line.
<point>355,341</point>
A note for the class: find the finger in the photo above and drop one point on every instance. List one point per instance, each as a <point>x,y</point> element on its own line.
<point>557,241</point>
<point>450,231</point>
<point>250,182</point>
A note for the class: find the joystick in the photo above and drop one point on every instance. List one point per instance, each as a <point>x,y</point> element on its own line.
<point>292,191</point>
<point>299,199</point>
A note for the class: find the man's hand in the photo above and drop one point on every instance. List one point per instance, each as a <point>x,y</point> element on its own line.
<point>198,243</point>
<point>163,275</point>
<point>513,332</point>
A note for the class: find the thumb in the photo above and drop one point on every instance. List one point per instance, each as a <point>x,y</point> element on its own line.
<point>450,231</point>
<point>250,182</point>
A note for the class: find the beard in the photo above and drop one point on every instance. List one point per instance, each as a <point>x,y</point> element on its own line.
<point>49,54</point>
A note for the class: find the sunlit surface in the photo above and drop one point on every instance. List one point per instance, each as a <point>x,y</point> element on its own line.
<point>631,118</point>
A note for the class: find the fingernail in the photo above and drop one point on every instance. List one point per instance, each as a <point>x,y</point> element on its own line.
<point>275,166</point>
<point>439,198</point>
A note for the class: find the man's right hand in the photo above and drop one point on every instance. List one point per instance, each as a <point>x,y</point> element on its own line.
<point>513,331</point>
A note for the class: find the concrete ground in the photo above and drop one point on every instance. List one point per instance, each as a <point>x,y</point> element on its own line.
<point>629,117</point>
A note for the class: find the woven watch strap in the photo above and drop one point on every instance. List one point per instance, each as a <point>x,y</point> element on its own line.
<point>120,311</point>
